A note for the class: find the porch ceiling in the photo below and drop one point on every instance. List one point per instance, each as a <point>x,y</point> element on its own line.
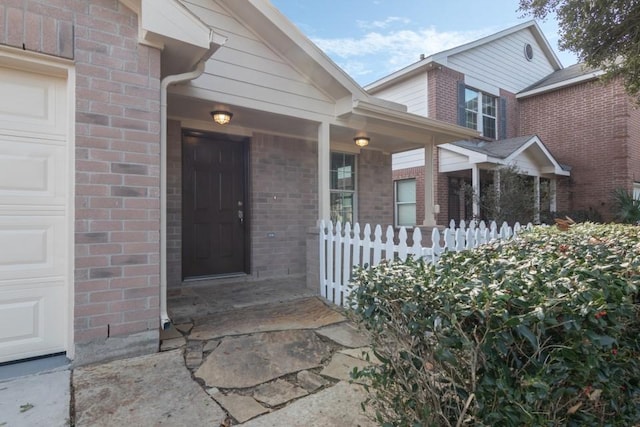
<point>388,134</point>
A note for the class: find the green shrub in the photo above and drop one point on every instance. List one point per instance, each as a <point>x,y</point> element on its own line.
<point>543,330</point>
<point>625,207</point>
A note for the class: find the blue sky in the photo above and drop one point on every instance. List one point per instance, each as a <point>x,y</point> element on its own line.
<point>372,38</point>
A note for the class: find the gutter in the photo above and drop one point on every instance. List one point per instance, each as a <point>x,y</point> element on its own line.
<point>165,321</point>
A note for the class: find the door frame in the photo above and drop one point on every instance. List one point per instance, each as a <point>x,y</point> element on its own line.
<point>48,65</point>
<point>245,141</point>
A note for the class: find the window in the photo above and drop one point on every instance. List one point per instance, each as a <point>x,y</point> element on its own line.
<point>405,203</point>
<point>481,112</point>
<point>636,190</point>
<point>343,187</point>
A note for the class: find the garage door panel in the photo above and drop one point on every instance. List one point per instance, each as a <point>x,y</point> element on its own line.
<point>36,211</point>
<point>24,328</point>
<point>32,103</point>
<point>32,172</point>
<point>32,246</point>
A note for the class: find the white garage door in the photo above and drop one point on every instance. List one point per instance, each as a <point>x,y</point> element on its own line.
<point>35,171</point>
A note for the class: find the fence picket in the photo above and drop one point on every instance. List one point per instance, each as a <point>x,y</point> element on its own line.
<point>377,245</point>
<point>343,247</point>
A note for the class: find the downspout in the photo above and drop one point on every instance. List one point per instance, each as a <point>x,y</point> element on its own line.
<point>165,321</point>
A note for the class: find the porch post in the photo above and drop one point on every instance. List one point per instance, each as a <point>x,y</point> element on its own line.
<point>536,199</point>
<point>429,208</point>
<point>475,185</point>
<point>324,164</point>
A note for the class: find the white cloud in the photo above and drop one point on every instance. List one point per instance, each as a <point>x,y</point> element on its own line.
<point>383,24</point>
<point>378,53</point>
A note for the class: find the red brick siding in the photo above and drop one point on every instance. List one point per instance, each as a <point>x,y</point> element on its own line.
<point>375,188</point>
<point>443,94</point>
<point>40,26</point>
<point>174,203</point>
<point>586,127</point>
<point>283,201</point>
<point>633,147</point>
<point>512,115</point>
<point>418,175</point>
<point>117,174</point>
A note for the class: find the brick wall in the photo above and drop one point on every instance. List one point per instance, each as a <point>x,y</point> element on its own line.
<point>283,201</point>
<point>174,203</point>
<point>418,175</point>
<point>586,127</point>
<point>40,26</point>
<point>512,114</point>
<point>117,166</point>
<point>633,142</point>
<point>443,93</point>
<point>375,188</point>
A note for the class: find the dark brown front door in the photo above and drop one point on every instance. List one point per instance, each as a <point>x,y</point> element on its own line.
<point>214,214</point>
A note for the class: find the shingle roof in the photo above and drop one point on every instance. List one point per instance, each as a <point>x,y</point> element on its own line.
<point>501,149</point>
<point>559,76</point>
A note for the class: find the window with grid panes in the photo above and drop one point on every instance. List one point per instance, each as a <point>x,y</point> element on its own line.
<point>343,187</point>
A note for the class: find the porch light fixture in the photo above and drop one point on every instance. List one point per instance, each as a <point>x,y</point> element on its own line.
<point>361,141</point>
<point>221,117</point>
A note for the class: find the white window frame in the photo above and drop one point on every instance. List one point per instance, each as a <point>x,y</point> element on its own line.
<point>397,204</point>
<point>354,192</point>
<point>636,190</point>
<point>480,115</point>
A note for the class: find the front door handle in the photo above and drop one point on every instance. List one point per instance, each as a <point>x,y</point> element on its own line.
<point>241,216</point>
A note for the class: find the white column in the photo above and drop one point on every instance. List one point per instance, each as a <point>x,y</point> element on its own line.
<point>429,208</point>
<point>536,201</point>
<point>475,185</point>
<point>324,164</point>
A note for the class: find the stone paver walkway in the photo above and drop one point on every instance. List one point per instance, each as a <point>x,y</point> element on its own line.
<point>243,360</point>
<point>284,363</point>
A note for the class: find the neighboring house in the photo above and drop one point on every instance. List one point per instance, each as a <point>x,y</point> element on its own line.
<point>531,113</point>
<point>115,183</point>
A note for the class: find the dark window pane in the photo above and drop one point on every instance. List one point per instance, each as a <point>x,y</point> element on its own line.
<point>489,127</point>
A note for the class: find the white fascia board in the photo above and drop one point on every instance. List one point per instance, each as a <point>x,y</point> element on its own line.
<point>161,19</point>
<point>414,120</point>
<point>557,169</point>
<point>421,66</point>
<point>310,49</point>
<point>565,83</point>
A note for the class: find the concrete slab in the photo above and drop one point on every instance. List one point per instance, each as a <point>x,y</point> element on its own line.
<point>36,400</point>
<point>149,390</point>
<point>249,360</point>
<point>307,313</point>
<point>335,406</point>
<point>278,392</point>
<point>242,408</point>
<point>345,334</point>
<point>341,365</point>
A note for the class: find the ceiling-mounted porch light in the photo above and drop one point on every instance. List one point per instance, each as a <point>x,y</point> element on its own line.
<point>361,141</point>
<point>221,117</point>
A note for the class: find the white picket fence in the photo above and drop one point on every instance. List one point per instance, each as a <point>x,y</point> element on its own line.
<point>344,247</point>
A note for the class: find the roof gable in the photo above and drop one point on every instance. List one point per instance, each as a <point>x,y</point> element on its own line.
<point>497,60</point>
<point>525,152</point>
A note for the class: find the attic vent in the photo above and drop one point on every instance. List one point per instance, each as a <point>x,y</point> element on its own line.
<point>528,51</point>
